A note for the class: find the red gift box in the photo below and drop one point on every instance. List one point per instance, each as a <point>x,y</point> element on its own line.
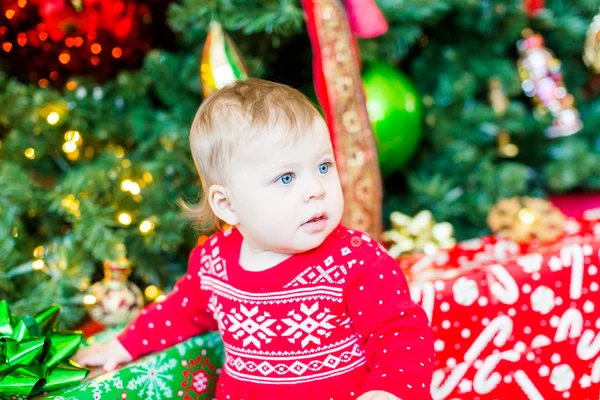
<point>512,320</point>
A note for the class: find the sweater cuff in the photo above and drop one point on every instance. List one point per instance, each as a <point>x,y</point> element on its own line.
<point>132,342</point>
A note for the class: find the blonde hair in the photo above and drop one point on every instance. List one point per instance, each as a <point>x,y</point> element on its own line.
<point>241,110</point>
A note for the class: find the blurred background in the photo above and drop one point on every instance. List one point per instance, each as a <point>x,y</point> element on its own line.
<point>470,101</point>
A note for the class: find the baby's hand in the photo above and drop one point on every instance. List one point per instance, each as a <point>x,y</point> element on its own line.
<point>377,395</point>
<point>107,356</point>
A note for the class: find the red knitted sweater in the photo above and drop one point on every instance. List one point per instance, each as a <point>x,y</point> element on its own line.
<point>331,323</point>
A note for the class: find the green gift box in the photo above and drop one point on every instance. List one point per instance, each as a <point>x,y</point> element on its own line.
<point>188,370</point>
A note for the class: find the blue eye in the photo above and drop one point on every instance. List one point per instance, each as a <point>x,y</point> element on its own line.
<point>324,168</point>
<point>286,179</point>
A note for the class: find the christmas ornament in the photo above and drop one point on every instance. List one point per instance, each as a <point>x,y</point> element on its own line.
<point>396,112</point>
<point>221,61</point>
<point>336,72</point>
<point>534,7</point>
<point>117,300</point>
<point>418,234</point>
<point>541,75</point>
<point>524,219</point>
<point>366,19</point>
<point>591,48</point>
<point>500,103</point>
<point>33,356</point>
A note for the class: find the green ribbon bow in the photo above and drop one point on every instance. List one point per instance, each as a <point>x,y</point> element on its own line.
<point>34,357</point>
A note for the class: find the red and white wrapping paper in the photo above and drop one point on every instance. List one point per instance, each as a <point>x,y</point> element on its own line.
<point>515,321</point>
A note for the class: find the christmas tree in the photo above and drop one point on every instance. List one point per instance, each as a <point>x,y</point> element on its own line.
<point>94,163</point>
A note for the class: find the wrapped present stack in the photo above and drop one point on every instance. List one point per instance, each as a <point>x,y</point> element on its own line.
<point>514,314</point>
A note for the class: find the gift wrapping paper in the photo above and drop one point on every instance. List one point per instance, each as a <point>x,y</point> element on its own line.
<point>512,320</point>
<point>188,370</point>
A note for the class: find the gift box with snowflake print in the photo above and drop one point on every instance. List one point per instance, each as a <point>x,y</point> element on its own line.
<point>514,320</point>
<point>187,371</point>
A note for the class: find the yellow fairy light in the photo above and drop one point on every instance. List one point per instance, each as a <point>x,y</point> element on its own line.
<point>89,299</point>
<point>126,163</point>
<point>38,251</point>
<point>124,218</point>
<point>126,185</point>
<point>67,201</point>
<point>152,292</point>
<point>119,152</point>
<point>146,226</point>
<point>73,136</point>
<point>147,177</point>
<point>53,118</point>
<point>71,204</point>
<point>73,155</point>
<point>37,265</point>
<point>134,188</point>
<point>30,153</point>
<point>526,216</point>
<point>69,147</point>
<point>160,298</point>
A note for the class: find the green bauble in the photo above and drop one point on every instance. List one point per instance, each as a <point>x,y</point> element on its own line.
<point>396,112</point>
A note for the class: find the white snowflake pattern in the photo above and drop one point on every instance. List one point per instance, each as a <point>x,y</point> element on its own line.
<point>217,310</point>
<point>153,379</point>
<point>244,323</point>
<point>305,324</point>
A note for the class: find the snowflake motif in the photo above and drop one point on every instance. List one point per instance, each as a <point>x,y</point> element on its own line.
<point>244,324</point>
<point>199,378</point>
<point>217,310</point>
<point>305,324</point>
<point>153,379</point>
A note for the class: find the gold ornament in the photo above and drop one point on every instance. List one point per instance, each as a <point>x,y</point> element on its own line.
<point>114,300</point>
<point>221,62</point>
<point>418,234</point>
<point>524,219</point>
<point>591,47</point>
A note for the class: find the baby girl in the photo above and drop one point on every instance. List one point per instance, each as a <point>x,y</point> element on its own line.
<point>307,308</point>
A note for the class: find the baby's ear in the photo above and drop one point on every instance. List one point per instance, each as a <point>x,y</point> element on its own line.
<point>220,204</point>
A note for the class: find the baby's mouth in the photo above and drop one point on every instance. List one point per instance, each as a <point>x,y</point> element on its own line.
<point>316,218</point>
